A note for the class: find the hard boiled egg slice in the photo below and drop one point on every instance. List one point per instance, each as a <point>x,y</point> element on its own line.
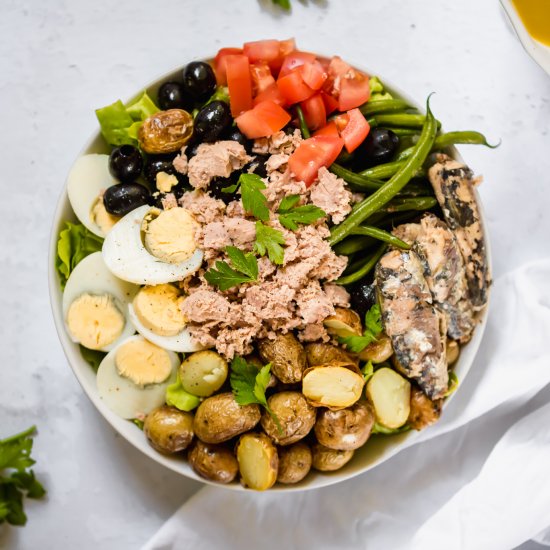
<point>132,378</point>
<point>156,315</point>
<point>95,305</point>
<point>171,253</point>
<point>88,179</point>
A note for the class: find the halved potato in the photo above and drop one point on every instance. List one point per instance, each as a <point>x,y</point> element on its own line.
<point>203,373</point>
<point>379,351</point>
<point>329,460</point>
<point>424,411</point>
<point>319,353</point>
<point>258,461</point>
<point>334,385</point>
<point>294,463</point>
<point>390,395</point>
<point>344,323</point>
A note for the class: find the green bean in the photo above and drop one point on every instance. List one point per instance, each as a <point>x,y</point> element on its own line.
<point>381,171</point>
<point>406,204</point>
<point>380,235</point>
<point>303,125</point>
<point>351,177</point>
<point>406,132</point>
<point>353,244</point>
<point>387,192</point>
<point>392,221</point>
<point>364,270</point>
<point>400,120</point>
<point>384,106</point>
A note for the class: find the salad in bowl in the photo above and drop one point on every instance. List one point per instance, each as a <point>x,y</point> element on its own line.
<point>270,267</point>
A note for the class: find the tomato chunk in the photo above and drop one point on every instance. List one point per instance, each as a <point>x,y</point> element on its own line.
<point>293,88</point>
<point>353,92</point>
<point>331,104</point>
<point>312,154</point>
<point>263,120</point>
<point>294,60</point>
<point>261,77</point>
<point>262,50</point>
<point>313,74</point>
<point>314,112</point>
<point>355,131</point>
<point>239,83</point>
<point>328,130</point>
<point>219,64</point>
<point>271,93</point>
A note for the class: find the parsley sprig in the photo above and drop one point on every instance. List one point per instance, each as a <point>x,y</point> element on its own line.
<point>244,270</point>
<point>269,241</point>
<point>254,201</point>
<point>16,478</point>
<point>249,385</point>
<point>291,215</point>
<point>373,328</point>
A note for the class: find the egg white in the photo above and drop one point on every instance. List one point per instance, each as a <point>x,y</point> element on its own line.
<point>88,177</point>
<point>125,398</point>
<point>126,256</point>
<point>92,276</point>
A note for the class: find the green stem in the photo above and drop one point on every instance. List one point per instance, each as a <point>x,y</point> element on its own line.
<point>303,125</point>
<point>364,270</point>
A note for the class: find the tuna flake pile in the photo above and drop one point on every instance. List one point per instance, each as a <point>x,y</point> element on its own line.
<point>296,293</point>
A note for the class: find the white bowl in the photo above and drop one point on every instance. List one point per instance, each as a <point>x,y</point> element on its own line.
<point>377,450</point>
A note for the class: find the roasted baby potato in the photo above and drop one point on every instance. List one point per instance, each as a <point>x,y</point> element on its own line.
<point>379,351</point>
<point>294,463</point>
<point>346,429</point>
<point>424,411</point>
<point>329,460</point>
<point>213,462</point>
<point>203,373</point>
<point>286,355</point>
<point>296,417</point>
<point>321,354</point>
<point>334,385</point>
<point>165,131</point>
<point>220,417</point>
<point>258,461</point>
<point>390,395</point>
<point>453,351</point>
<point>344,323</point>
<point>168,429</point>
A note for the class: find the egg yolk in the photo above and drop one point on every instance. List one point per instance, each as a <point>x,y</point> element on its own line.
<point>159,309</point>
<point>143,363</point>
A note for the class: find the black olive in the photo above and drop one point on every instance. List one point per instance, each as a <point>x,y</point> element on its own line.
<point>172,96</point>
<point>161,163</point>
<point>234,134</point>
<point>257,166</point>
<point>122,198</point>
<point>362,297</point>
<point>211,121</point>
<point>199,81</point>
<point>216,186</point>
<point>379,147</point>
<point>125,163</point>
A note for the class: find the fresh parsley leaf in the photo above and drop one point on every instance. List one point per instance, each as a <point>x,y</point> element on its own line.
<point>254,201</point>
<point>368,371</point>
<point>16,481</point>
<point>291,215</point>
<point>249,385</point>
<point>269,240</point>
<point>288,203</point>
<point>373,328</point>
<point>225,277</point>
<point>285,4</point>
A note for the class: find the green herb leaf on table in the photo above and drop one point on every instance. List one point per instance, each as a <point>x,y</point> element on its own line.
<point>285,4</point>
<point>74,244</point>
<point>291,215</point>
<point>16,481</point>
<point>254,201</point>
<point>269,241</point>
<point>373,328</point>
<point>244,270</point>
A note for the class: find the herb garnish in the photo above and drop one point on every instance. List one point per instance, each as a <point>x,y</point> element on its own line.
<point>373,328</point>
<point>269,240</point>
<point>254,201</point>
<point>244,270</point>
<point>291,215</point>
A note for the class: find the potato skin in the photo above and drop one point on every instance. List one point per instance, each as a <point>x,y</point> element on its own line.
<point>295,415</point>
<point>320,354</point>
<point>345,322</point>
<point>294,463</point>
<point>220,417</point>
<point>258,470</point>
<point>329,460</point>
<point>286,355</point>
<point>346,429</point>
<point>168,429</point>
<point>213,462</point>
<point>379,351</point>
<point>424,411</point>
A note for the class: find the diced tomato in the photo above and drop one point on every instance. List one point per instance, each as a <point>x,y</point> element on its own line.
<point>314,112</point>
<point>239,83</point>
<point>261,77</point>
<point>331,104</point>
<point>219,64</point>
<point>313,74</point>
<point>353,92</point>
<point>271,93</point>
<point>341,121</point>
<point>312,154</point>
<point>295,60</point>
<point>285,47</point>
<point>328,130</point>
<point>262,50</point>
<point>293,88</point>
<point>355,131</point>
<point>263,120</point>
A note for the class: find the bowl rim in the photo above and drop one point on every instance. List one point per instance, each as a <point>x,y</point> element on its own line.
<point>176,464</point>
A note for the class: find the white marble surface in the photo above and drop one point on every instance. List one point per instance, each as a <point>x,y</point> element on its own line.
<point>61,59</point>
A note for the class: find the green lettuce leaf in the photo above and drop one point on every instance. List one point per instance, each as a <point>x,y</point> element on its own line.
<point>92,356</point>
<point>142,108</point>
<point>177,397</point>
<point>74,244</point>
<point>377,91</point>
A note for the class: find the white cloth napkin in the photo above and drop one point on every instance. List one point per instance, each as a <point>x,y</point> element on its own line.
<point>484,484</point>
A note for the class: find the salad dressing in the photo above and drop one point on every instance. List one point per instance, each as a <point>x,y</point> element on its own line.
<point>535,15</point>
